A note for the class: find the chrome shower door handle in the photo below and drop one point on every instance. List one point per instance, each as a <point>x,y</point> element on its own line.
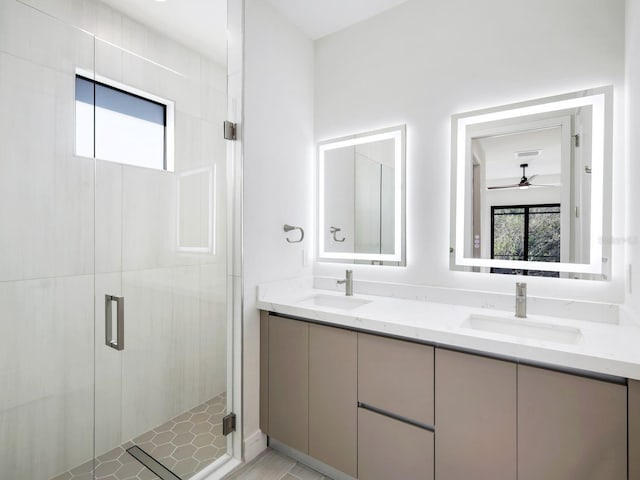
<point>118,344</point>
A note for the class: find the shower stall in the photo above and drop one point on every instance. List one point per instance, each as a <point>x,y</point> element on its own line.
<point>116,187</point>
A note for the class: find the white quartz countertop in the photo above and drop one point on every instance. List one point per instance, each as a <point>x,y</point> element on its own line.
<point>603,348</point>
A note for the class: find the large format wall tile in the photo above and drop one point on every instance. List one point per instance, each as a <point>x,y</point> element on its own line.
<point>46,194</point>
<point>148,391</point>
<point>108,369</point>
<point>28,34</point>
<point>46,416</point>
<point>213,329</point>
<point>149,219</point>
<point>175,354</point>
<point>108,227</point>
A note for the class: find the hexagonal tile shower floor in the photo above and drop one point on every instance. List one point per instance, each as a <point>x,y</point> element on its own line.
<point>185,445</point>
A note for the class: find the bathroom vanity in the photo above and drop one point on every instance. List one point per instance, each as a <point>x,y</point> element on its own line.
<point>375,397</point>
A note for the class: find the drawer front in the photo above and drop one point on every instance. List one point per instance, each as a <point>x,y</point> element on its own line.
<point>390,449</point>
<point>396,376</point>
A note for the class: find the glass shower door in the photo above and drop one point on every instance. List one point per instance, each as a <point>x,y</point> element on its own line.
<point>46,250</point>
<point>113,240</point>
<point>161,254</point>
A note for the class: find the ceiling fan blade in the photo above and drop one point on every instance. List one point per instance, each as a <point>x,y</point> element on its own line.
<point>547,185</point>
<point>531,177</point>
<point>515,185</point>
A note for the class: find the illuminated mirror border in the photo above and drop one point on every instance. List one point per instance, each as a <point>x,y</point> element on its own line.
<point>600,100</point>
<point>398,134</point>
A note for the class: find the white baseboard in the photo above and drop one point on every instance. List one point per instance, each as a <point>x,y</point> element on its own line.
<point>254,445</point>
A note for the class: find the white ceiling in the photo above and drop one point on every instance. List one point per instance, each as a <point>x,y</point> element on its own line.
<point>500,154</point>
<point>322,17</point>
<point>198,24</point>
<point>201,24</point>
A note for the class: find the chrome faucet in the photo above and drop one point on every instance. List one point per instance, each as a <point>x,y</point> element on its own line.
<point>521,300</point>
<point>348,281</point>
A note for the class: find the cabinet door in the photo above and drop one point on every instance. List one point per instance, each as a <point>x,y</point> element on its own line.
<point>289,382</point>
<point>333,402</point>
<point>475,402</point>
<point>396,376</point>
<point>391,449</point>
<point>634,430</point>
<point>264,372</point>
<point>570,427</point>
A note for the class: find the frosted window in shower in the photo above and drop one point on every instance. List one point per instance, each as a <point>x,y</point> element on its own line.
<point>124,127</point>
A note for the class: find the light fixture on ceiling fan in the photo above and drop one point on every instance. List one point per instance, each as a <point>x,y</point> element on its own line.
<point>525,182</point>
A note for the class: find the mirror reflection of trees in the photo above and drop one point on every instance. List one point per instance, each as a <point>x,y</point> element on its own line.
<point>528,233</point>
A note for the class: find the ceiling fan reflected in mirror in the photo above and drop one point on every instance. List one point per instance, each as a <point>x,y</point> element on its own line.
<point>525,182</point>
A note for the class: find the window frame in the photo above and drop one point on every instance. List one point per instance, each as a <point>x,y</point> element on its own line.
<point>169,115</point>
<point>526,208</point>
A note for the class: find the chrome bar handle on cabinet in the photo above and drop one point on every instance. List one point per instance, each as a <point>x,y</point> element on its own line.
<point>108,321</point>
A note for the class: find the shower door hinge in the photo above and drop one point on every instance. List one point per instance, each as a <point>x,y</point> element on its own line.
<point>229,424</point>
<point>230,130</point>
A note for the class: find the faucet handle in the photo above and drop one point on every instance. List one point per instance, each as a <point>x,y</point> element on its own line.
<point>521,300</point>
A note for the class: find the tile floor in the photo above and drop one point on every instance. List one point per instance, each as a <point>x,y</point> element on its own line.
<point>185,445</point>
<point>273,465</point>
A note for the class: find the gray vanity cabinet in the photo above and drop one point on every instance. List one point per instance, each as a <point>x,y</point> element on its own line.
<point>476,419</point>
<point>333,409</point>
<point>288,382</point>
<point>570,427</point>
<point>364,404</point>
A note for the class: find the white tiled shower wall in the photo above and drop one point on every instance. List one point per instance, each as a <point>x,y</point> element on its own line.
<point>175,356</point>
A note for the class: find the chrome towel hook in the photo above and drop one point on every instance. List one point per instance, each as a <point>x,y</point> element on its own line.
<point>288,228</point>
<point>334,231</point>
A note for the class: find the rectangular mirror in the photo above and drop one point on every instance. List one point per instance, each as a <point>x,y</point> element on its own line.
<point>361,198</point>
<point>531,187</point>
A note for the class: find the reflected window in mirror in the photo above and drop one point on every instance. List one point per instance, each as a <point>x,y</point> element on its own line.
<point>361,198</point>
<point>526,233</point>
<point>552,153</point>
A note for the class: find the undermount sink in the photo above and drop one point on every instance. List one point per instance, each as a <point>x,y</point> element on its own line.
<point>517,327</point>
<point>333,301</point>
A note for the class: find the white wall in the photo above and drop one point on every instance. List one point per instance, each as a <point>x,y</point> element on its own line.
<point>425,60</point>
<point>54,238</point>
<point>278,176</point>
<point>632,238</point>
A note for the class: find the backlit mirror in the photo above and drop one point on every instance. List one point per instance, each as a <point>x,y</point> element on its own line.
<point>361,198</point>
<point>530,185</point>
